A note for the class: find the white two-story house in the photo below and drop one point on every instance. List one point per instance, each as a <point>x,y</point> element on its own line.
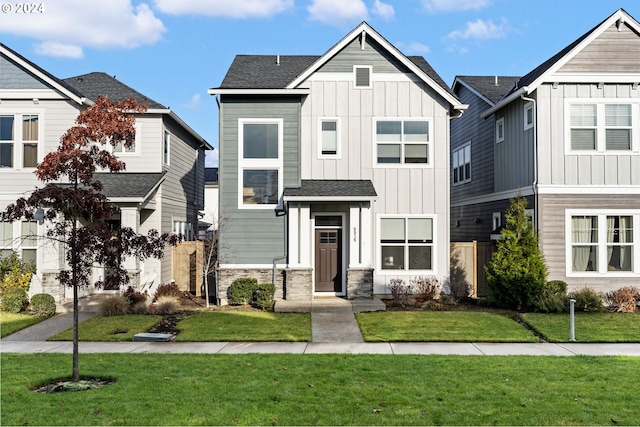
<point>162,187</point>
<point>567,137</point>
<point>334,170</point>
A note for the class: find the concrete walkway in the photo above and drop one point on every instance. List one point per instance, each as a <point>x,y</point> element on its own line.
<point>334,330</point>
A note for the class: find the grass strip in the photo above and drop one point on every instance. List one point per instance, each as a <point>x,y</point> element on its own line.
<point>589,327</point>
<point>445,326</point>
<point>112,328</point>
<point>245,326</point>
<point>283,389</point>
<point>12,322</point>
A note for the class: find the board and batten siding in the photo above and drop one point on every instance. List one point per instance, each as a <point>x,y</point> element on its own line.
<point>254,236</point>
<point>480,133</point>
<point>560,167</point>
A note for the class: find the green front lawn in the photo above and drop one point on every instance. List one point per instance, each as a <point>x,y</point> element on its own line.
<point>113,328</point>
<point>337,389</point>
<point>245,326</point>
<point>589,327</point>
<point>11,323</point>
<point>451,326</point>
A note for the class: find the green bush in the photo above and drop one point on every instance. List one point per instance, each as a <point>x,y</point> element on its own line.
<point>14,273</point>
<point>114,305</point>
<point>42,305</point>
<point>241,291</point>
<point>14,300</point>
<point>264,295</point>
<point>587,299</point>
<point>553,298</point>
<point>516,272</point>
<point>168,290</point>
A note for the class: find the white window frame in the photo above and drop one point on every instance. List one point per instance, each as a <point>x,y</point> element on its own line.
<point>136,146</point>
<point>465,149</point>
<point>528,108</point>
<point>601,127</point>
<point>357,67</point>
<point>18,141</point>
<point>335,120</point>
<point>500,130</point>
<point>406,245</point>
<point>496,220</point>
<point>260,164</point>
<point>166,147</point>
<point>403,143</point>
<point>602,261</point>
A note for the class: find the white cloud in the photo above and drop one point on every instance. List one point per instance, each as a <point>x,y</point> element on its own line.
<point>229,8</point>
<point>67,26</point>
<point>337,12</point>
<point>480,30</point>
<point>435,6</point>
<point>194,103</point>
<point>384,10</point>
<point>416,48</point>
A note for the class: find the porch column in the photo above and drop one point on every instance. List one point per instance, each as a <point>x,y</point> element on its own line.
<point>360,235</point>
<point>130,217</point>
<point>299,250</point>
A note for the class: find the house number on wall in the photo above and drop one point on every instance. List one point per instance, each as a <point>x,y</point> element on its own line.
<point>355,234</point>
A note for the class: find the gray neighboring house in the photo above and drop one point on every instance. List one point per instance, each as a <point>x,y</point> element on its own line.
<point>334,170</point>
<point>162,188</point>
<point>567,137</point>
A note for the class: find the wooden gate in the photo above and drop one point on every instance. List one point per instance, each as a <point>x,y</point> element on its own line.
<point>187,266</point>
<point>467,265</point>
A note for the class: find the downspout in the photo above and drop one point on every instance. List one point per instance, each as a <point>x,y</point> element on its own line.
<point>534,184</point>
<point>284,255</point>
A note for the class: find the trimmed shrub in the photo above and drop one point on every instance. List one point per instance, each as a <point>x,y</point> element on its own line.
<point>624,300</point>
<point>14,273</point>
<point>426,288</point>
<point>241,291</point>
<point>14,300</point>
<point>400,292</point>
<point>264,295</point>
<point>587,299</point>
<point>114,305</point>
<point>167,305</point>
<point>168,290</point>
<point>42,305</point>
<point>133,296</point>
<point>553,298</point>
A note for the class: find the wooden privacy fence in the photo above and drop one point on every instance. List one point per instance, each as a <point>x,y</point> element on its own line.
<point>467,264</point>
<point>187,266</point>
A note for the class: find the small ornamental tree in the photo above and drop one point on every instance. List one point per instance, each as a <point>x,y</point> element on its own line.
<point>76,211</point>
<point>516,273</point>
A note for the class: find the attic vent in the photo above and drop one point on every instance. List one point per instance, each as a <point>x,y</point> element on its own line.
<point>362,77</point>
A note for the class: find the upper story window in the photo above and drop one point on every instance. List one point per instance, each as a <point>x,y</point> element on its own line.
<point>500,130</point>
<point>329,138</point>
<point>528,115</point>
<point>600,127</point>
<point>461,160</point>
<point>260,162</point>
<point>166,147</point>
<point>402,142</point>
<point>19,140</point>
<point>362,76</point>
<point>6,238</point>
<point>406,243</point>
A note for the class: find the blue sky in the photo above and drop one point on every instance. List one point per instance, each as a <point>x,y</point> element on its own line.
<point>174,50</point>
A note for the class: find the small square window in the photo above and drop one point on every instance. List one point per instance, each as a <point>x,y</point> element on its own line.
<point>528,116</point>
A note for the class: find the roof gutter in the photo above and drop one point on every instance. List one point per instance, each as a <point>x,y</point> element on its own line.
<point>185,126</point>
<point>219,91</point>
<point>524,90</point>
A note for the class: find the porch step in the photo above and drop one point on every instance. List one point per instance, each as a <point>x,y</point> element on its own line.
<point>90,303</point>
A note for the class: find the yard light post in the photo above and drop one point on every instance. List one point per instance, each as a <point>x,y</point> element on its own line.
<point>572,325</point>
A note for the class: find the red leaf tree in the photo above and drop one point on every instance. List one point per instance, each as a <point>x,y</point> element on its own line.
<point>75,209</point>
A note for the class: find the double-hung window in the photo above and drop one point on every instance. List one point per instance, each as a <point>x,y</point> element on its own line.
<point>260,162</point>
<point>329,138</point>
<point>404,142</point>
<point>19,140</point>
<point>406,243</point>
<point>462,164</point>
<point>603,127</point>
<point>603,243</point>
<point>500,130</point>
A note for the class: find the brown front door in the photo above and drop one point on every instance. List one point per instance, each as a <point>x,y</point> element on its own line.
<point>329,260</point>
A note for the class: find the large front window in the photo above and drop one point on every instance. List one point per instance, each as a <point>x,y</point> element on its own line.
<point>402,141</point>
<point>605,243</point>
<point>603,127</point>
<point>19,138</point>
<point>406,244</point>
<point>260,162</point>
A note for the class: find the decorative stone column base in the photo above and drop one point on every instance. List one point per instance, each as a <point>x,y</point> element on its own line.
<point>359,283</point>
<point>52,286</point>
<point>226,276</point>
<point>298,284</point>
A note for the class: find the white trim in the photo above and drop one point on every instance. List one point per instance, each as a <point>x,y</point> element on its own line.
<point>250,266</point>
<point>136,145</point>
<point>329,198</point>
<point>18,141</point>
<point>344,250</point>
<point>589,189</point>
<point>601,244</point>
<point>354,79</point>
<point>593,78</point>
<point>462,148</point>
<point>337,121</point>
<point>260,164</point>
<point>219,91</point>
<point>166,160</point>
<point>499,124</point>
<point>337,76</point>
<point>528,107</point>
<point>494,197</point>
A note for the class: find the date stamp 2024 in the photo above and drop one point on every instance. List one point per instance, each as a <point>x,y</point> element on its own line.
<point>22,8</point>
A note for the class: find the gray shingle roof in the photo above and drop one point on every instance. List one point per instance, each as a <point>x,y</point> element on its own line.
<point>332,188</point>
<point>210,175</point>
<point>94,85</point>
<point>428,70</point>
<point>486,85</point>
<point>130,185</point>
